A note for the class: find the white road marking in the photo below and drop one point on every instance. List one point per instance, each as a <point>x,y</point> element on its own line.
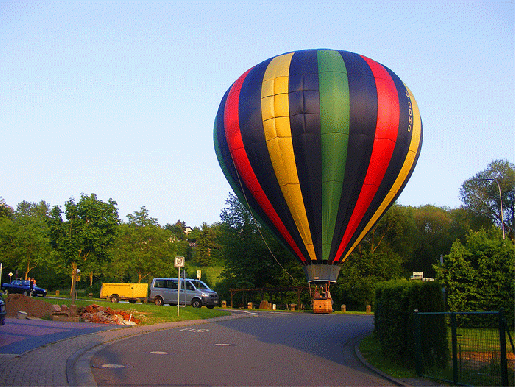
<point>113,366</point>
<point>194,330</point>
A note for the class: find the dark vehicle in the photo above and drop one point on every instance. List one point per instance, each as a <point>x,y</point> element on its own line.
<point>3,311</point>
<point>24,287</point>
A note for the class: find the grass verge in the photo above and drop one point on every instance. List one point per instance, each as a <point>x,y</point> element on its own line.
<point>371,351</point>
<point>150,314</point>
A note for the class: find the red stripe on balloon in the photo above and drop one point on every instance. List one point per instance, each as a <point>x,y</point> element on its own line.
<point>242,163</point>
<point>388,114</point>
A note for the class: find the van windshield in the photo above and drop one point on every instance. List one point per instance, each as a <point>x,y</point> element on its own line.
<point>200,285</point>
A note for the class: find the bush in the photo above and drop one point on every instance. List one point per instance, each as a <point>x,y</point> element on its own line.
<point>478,274</point>
<point>395,320</point>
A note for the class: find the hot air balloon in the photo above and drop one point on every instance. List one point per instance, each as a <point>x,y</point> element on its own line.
<point>318,144</point>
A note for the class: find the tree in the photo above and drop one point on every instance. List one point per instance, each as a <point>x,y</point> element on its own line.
<point>490,190</point>
<point>142,218</point>
<point>177,230</point>
<point>253,258</point>
<point>205,245</point>
<point>86,234</point>
<point>143,248</point>
<point>379,257</point>
<point>24,241</point>
<point>5,210</point>
<point>478,274</point>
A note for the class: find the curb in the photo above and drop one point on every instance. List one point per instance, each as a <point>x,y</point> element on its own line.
<point>359,355</point>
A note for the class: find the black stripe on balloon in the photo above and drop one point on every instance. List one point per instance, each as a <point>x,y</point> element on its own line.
<point>304,105</point>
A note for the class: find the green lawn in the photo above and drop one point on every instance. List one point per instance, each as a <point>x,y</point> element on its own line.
<point>149,313</point>
<point>371,351</point>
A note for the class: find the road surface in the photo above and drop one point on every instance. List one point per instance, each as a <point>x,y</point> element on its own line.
<point>265,349</point>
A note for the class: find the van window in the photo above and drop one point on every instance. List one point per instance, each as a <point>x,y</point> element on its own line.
<point>171,284</point>
<point>189,286</point>
<point>159,284</point>
<point>200,285</point>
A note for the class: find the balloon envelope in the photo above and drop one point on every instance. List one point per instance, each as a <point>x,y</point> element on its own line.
<point>318,144</point>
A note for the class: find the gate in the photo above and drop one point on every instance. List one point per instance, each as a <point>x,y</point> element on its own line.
<point>475,350</point>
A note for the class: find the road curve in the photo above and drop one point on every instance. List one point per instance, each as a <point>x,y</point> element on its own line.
<point>265,349</point>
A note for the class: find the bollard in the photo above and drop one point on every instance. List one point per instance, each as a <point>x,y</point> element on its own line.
<point>273,306</point>
<point>293,306</point>
<point>57,293</point>
<point>344,308</point>
<point>369,309</point>
<point>224,304</point>
<point>249,305</point>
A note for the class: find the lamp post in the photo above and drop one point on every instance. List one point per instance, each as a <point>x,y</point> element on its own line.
<point>500,198</point>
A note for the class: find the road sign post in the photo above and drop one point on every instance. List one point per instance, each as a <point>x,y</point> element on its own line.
<point>179,262</point>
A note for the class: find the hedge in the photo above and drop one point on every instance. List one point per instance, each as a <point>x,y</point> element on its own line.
<point>395,322</point>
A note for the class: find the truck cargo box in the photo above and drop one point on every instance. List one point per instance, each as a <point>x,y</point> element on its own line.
<point>124,291</point>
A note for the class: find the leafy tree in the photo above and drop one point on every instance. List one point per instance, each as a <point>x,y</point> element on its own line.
<point>379,257</point>
<point>253,258</point>
<point>24,241</point>
<point>177,230</point>
<point>435,233</point>
<point>142,218</point>
<point>86,234</point>
<point>480,194</point>
<point>205,245</point>
<point>5,210</point>
<point>478,274</point>
<point>142,249</point>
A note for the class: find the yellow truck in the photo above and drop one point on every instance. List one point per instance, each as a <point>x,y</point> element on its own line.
<point>132,292</point>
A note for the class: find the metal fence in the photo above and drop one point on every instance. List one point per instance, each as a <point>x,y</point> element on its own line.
<point>475,350</point>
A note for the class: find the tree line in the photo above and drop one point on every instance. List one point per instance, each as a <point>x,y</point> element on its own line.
<point>44,242</point>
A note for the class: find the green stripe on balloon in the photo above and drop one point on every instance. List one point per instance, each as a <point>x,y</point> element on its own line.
<point>334,129</point>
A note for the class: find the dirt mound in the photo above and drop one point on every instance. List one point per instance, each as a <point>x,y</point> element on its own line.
<point>37,308</point>
<point>33,306</point>
<point>102,315</point>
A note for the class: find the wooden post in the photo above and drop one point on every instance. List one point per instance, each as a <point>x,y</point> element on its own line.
<point>74,277</point>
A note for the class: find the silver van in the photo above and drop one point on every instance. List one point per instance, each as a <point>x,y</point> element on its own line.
<point>193,292</point>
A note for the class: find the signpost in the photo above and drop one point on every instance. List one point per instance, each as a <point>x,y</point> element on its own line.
<point>179,262</point>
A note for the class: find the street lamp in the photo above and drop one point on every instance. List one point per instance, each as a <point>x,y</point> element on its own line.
<point>500,198</point>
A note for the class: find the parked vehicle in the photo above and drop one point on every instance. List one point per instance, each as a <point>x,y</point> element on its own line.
<point>132,292</point>
<point>193,292</point>
<point>3,311</point>
<point>24,287</point>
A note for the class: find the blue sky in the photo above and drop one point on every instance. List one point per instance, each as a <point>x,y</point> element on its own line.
<point>119,98</point>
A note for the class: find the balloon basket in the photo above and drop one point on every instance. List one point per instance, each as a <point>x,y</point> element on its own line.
<point>322,305</point>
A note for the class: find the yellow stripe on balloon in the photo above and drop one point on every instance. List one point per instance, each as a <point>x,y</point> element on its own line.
<point>275,112</point>
<point>403,174</point>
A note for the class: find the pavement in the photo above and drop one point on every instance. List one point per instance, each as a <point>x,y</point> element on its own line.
<point>52,353</point>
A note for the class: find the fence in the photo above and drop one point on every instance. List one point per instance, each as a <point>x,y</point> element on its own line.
<point>474,351</point>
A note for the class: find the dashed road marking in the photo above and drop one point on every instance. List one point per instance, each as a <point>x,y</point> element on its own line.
<point>113,366</point>
<point>194,330</point>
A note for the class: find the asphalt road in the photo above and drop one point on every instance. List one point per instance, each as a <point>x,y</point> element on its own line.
<point>20,336</point>
<point>266,349</point>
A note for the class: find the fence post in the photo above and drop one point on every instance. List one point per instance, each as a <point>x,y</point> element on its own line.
<point>502,340</point>
<point>419,362</point>
<point>454,340</point>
